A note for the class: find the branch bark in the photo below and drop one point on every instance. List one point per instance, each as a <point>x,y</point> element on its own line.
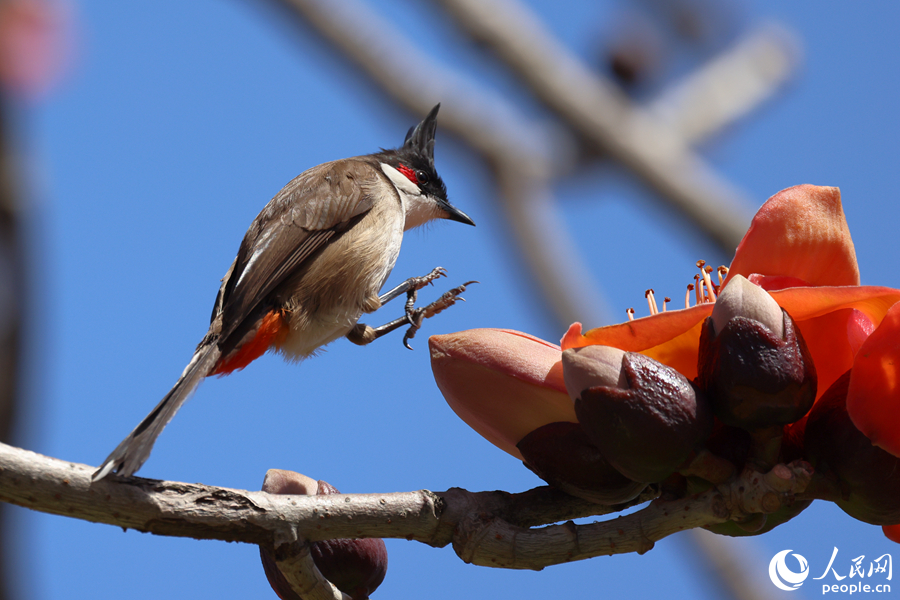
<point>494,529</point>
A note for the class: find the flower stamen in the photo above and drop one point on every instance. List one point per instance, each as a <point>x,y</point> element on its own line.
<point>710,287</point>
<point>651,301</point>
<point>704,290</point>
<point>707,293</point>
<point>722,270</point>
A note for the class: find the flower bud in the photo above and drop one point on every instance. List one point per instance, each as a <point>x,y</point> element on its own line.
<point>649,423</point>
<point>741,298</point>
<point>591,366</point>
<point>869,477</point>
<point>356,567</point>
<point>753,363</point>
<point>504,384</point>
<point>561,455</point>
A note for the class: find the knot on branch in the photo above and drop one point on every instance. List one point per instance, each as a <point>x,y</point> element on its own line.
<point>764,493</point>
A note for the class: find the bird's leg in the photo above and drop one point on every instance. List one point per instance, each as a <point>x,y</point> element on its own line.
<point>363,334</point>
<point>413,284</point>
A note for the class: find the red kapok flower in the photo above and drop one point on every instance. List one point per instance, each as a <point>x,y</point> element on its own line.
<point>798,248</point>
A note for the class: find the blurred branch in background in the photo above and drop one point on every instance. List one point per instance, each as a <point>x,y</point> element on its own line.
<point>597,111</point>
<point>729,86</point>
<point>32,56</point>
<point>653,141</point>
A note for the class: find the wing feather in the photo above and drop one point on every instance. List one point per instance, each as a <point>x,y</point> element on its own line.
<point>310,210</point>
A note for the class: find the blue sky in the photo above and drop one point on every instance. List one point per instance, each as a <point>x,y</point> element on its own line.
<point>181,120</point>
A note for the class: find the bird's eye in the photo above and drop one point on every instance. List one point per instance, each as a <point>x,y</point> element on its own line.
<point>421,177</point>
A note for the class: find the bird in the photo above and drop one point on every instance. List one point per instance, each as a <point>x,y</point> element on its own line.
<point>311,264</point>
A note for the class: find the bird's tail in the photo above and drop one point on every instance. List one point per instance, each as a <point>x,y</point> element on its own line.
<point>134,449</point>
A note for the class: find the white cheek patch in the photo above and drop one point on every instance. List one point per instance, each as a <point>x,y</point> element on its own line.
<point>418,208</point>
<point>421,211</point>
<point>401,181</point>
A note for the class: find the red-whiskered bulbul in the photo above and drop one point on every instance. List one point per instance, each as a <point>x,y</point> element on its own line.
<point>311,264</point>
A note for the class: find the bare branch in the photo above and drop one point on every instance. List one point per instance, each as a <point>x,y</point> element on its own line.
<point>205,512</point>
<point>486,528</point>
<point>300,571</point>
<point>597,110</point>
<point>492,542</point>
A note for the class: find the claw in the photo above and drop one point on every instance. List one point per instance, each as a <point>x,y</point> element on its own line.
<point>436,273</point>
<point>412,316</point>
<point>417,315</point>
<point>406,339</point>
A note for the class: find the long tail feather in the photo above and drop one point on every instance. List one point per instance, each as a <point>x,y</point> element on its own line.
<point>135,449</point>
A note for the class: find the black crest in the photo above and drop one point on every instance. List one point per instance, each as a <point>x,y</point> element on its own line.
<point>420,138</point>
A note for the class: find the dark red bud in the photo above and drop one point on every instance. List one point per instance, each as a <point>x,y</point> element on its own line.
<point>754,378</point>
<point>731,443</point>
<point>561,455</point>
<point>650,428</point>
<point>356,567</point>
<point>868,476</point>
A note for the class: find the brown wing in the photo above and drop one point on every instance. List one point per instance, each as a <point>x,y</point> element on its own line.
<point>314,207</point>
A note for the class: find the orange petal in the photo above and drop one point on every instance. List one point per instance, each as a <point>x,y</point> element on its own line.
<point>809,302</point>
<point>873,400</point>
<point>671,337</point>
<point>503,384</point>
<point>800,232</point>
<point>832,340</point>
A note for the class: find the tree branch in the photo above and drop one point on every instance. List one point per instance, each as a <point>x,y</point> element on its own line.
<point>485,528</point>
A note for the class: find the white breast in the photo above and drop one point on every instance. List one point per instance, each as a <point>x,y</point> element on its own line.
<point>350,273</point>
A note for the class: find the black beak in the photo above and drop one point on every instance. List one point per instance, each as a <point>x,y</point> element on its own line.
<point>454,214</point>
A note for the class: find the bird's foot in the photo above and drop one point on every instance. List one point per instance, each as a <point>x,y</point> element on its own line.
<point>363,334</point>
<point>412,285</point>
<point>415,316</point>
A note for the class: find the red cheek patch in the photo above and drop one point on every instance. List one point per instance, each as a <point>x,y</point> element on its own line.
<point>410,174</point>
